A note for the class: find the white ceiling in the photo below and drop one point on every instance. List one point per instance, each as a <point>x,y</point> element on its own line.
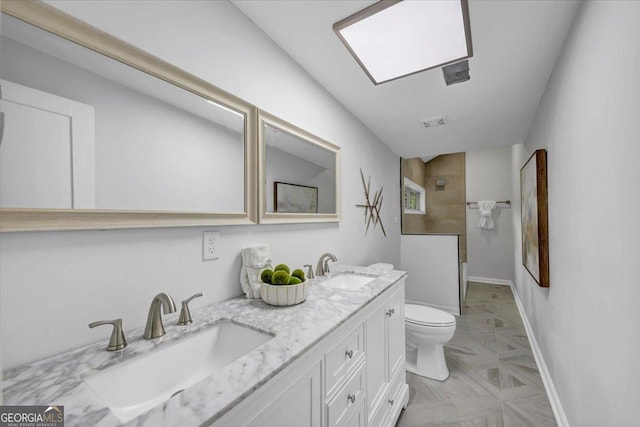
<point>515,45</point>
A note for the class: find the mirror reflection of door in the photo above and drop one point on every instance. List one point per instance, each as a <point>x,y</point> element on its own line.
<point>156,146</point>
<point>47,151</point>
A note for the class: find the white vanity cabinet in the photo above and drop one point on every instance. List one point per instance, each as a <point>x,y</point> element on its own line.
<point>384,346</point>
<point>298,405</point>
<point>342,360</point>
<point>358,419</point>
<point>354,377</point>
<point>346,402</point>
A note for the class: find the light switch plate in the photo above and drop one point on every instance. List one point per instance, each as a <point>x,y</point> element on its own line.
<point>210,245</point>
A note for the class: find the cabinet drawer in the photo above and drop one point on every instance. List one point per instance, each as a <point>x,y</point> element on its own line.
<point>395,390</point>
<point>394,400</point>
<point>343,359</point>
<point>388,407</point>
<point>347,401</point>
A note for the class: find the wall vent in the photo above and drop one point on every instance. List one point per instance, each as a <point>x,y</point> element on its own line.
<point>456,73</point>
<point>432,122</point>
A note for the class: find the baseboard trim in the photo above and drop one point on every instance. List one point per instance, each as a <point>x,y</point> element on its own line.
<point>490,280</point>
<point>552,394</point>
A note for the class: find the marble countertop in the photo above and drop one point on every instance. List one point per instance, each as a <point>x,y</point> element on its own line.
<point>58,380</point>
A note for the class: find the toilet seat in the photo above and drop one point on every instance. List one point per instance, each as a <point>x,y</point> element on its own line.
<point>428,316</point>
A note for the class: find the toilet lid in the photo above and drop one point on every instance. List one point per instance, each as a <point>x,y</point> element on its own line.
<point>428,316</point>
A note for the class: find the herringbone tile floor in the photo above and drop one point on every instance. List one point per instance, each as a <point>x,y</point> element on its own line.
<point>494,380</point>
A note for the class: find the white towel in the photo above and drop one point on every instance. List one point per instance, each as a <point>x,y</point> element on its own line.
<point>255,258</point>
<point>486,221</point>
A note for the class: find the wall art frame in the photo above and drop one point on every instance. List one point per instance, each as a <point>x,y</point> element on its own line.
<point>534,217</point>
<point>295,198</point>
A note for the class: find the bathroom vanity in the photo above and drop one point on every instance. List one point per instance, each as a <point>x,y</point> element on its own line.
<point>338,359</point>
<point>355,376</point>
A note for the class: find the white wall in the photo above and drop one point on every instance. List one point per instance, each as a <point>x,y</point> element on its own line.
<point>285,167</point>
<point>432,263</point>
<point>54,283</point>
<point>149,154</point>
<point>488,177</point>
<point>327,199</point>
<point>587,323</point>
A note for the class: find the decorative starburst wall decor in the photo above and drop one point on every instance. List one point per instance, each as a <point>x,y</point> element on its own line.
<point>372,208</point>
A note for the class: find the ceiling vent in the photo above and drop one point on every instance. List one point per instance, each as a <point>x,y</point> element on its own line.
<point>434,121</point>
<point>456,73</point>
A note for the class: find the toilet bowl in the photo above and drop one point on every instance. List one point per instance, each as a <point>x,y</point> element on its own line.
<point>427,331</point>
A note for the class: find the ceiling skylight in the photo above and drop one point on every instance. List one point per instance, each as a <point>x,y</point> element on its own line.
<point>392,39</point>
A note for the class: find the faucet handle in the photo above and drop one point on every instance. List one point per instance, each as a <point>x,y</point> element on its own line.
<point>185,314</point>
<point>117,340</point>
<point>309,271</point>
<point>323,263</point>
<point>327,270</point>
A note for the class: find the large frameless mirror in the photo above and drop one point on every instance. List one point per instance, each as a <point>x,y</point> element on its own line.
<point>113,139</point>
<point>299,174</point>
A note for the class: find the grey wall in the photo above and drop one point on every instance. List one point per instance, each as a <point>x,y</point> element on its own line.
<point>488,177</point>
<point>587,322</point>
<point>61,281</point>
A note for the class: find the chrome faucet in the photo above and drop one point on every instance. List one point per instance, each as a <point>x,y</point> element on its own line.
<point>323,263</point>
<point>155,328</point>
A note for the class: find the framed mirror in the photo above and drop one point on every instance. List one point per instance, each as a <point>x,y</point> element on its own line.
<point>98,134</point>
<point>299,174</point>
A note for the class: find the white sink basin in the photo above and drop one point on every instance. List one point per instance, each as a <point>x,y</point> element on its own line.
<point>137,385</point>
<point>349,281</point>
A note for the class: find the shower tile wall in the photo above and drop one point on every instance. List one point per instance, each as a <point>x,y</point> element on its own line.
<point>415,170</point>
<point>446,209</point>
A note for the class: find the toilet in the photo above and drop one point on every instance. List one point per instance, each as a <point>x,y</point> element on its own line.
<point>427,331</point>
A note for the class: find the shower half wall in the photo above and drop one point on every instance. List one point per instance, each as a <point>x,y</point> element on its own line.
<point>434,208</point>
<point>443,180</point>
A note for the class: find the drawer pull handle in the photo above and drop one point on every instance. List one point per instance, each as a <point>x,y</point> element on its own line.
<point>351,398</point>
<point>391,402</point>
<point>349,353</point>
<point>391,312</point>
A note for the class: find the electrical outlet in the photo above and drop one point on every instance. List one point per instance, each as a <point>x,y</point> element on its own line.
<point>210,245</point>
